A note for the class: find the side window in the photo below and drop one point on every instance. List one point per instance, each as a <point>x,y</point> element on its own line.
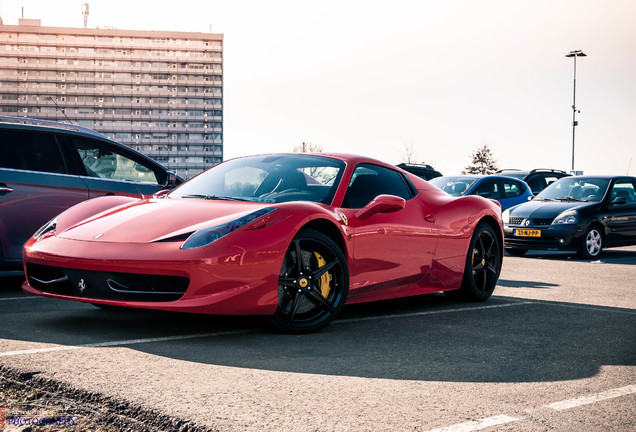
<point>103,161</point>
<point>550,179</point>
<point>625,189</point>
<point>537,183</point>
<point>489,188</point>
<point>368,181</point>
<point>512,188</point>
<point>30,151</point>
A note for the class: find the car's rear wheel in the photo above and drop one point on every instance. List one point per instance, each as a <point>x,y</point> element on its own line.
<point>312,285</point>
<point>516,251</point>
<point>483,264</point>
<point>592,243</point>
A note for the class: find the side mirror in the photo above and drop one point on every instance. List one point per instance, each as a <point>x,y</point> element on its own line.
<point>172,180</point>
<point>484,194</point>
<point>381,204</point>
<point>619,200</point>
<point>161,193</point>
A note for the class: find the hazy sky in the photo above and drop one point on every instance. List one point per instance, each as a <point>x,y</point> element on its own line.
<point>373,77</point>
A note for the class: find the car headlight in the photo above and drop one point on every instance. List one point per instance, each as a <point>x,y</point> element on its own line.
<point>505,216</point>
<point>48,227</point>
<point>206,236</point>
<point>566,218</point>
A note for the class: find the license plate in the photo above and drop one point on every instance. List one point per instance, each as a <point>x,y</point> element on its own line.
<point>527,233</point>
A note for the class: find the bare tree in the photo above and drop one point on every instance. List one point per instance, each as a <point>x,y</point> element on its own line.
<point>307,147</point>
<point>409,154</point>
<point>483,162</point>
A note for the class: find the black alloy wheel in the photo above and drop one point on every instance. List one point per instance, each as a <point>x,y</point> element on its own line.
<point>483,265</point>
<point>313,284</point>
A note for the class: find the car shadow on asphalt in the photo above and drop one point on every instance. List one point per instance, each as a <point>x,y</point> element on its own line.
<point>525,284</point>
<point>426,338</point>
<point>608,256</point>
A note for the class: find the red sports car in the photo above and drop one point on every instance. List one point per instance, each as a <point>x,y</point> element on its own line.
<point>291,236</point>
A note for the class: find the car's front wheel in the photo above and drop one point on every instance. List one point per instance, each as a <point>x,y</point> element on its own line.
<point>312,285</point>
<point>483,264</point>
<point>592,243</point>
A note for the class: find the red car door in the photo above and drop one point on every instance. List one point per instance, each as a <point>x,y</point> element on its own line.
<point>392,252</point>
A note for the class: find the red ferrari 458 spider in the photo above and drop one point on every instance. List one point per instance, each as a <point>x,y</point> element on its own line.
<point>292,236</point>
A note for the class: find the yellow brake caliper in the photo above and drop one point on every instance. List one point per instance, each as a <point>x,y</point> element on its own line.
<point>325,279</point>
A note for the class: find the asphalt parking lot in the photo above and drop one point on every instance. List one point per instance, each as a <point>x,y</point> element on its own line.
<point>553,349</point>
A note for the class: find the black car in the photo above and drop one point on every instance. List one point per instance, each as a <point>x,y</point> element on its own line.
<point>424,171</point>
<point>538,179</point>
<point>583,213</point>
<point>46,167</point>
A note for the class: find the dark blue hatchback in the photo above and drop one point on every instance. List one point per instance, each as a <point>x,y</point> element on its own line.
<point>582,213</point>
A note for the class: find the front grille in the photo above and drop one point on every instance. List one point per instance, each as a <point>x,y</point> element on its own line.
<point>106,285</point>
<point>533,222</point>
<point>543,221</point>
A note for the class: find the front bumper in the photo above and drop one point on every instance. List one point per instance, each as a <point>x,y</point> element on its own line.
<point>553,237</point>
<point>226,280</point>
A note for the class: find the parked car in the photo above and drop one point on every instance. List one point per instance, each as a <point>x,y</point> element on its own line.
<point>424,171</point>
<point>46,167</point>
<point>582,213</point>
<point>508,191</point>
<point>252,236</point>
<point>538,179</point>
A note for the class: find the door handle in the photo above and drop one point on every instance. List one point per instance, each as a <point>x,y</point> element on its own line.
<point>5,189</point>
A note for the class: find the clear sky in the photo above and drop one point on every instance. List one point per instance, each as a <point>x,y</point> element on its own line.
<point>374,77</point>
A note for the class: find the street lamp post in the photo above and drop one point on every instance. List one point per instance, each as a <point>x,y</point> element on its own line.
<point>574,54</point>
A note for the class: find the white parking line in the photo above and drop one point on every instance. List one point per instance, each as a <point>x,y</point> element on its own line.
<point>484,423</point>
<point>477,424</point>
<point>435,312</point>
<point>593,398</point>
<point>121,342</point>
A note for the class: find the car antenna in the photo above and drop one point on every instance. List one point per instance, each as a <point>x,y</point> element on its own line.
<point>61,110</point>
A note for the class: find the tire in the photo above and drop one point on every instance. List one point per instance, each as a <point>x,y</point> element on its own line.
<point>516,252</point>
<point>311,291</point>
<point>591,244</point>
<point>483,265</point>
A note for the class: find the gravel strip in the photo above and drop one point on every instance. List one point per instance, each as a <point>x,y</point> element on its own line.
<point>30,402</point>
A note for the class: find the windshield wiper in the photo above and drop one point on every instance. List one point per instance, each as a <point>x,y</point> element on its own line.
<point>542,199</point>
<point>224,198</point>
<point>195,196</point>
<point>213,197</point>
<point>570,199</point>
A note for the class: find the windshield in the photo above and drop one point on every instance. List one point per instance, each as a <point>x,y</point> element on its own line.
<point>269,178</point>
<point>456,186</point>
<point>575,189</point>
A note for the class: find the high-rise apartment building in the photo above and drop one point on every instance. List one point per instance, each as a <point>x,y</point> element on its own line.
<point>158,92</point>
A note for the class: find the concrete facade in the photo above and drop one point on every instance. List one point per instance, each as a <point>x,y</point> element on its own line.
<point>158,92</point>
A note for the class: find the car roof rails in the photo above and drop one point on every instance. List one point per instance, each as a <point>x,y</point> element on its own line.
<point>49,123</point>
<point>509,169</point>
<point>415,165</point>
<point>547,170</point>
